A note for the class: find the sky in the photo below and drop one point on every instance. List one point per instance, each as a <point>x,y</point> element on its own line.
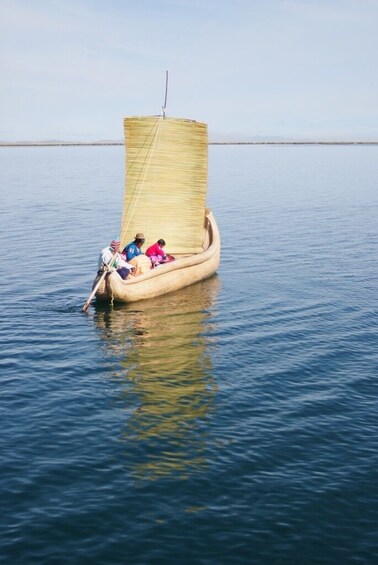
<point>251,69</point>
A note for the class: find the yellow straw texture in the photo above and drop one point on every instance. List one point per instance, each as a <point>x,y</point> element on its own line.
<point>166,182</point>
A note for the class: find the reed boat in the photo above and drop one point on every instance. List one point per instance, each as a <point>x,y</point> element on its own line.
<point>167,277</point>
<point>165,197</point>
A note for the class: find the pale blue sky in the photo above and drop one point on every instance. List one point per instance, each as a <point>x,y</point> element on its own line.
<point>72,69</point>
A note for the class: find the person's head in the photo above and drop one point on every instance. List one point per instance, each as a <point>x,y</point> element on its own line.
<point>161,242</point>
<point>139,239</point>
<point>115,244</point>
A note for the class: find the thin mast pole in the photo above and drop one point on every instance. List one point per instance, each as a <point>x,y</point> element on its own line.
<point>166,93</point>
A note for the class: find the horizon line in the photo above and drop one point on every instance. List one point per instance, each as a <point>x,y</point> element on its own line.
<point>114,143</point>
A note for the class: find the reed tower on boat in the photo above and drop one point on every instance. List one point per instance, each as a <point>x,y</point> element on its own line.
<point>166,182</point>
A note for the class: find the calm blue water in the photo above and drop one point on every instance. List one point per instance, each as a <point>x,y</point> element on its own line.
<point>234,422</point>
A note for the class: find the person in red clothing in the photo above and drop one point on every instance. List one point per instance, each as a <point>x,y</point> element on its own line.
<point>156,253</point>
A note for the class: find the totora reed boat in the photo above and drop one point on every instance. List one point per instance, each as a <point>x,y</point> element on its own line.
<point>165,197</point>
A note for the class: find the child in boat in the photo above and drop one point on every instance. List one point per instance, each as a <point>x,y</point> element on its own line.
<point>122,267</point>
<point>156,253</point>
<point>134,248</point>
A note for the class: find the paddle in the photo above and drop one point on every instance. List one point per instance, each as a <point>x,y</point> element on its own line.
<point>106,270</point>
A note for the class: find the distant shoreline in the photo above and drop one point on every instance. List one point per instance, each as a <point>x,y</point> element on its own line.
<point>112,143</point>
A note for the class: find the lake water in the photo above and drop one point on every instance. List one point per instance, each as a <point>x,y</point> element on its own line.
<point>234,422</point>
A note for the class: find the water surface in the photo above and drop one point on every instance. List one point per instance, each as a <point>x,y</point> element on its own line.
<point>232,422</point>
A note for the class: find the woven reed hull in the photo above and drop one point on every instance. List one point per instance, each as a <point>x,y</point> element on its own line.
<point>169,277</point>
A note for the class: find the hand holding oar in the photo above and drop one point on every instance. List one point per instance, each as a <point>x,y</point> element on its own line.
<point>106,270</point>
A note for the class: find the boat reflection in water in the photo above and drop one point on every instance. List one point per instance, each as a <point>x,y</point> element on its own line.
<point>164,346</point>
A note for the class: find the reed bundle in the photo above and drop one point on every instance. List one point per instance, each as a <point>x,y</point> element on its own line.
<point>166,182</point>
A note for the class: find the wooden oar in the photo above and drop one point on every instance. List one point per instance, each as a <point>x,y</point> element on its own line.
<point>106,270</point>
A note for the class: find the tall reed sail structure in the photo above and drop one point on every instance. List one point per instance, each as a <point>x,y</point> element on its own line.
<point>166,182</point>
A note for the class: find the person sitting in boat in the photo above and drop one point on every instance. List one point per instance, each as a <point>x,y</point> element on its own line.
<point>119,264</point>
<point>156,252</point>
<point>134,248</point>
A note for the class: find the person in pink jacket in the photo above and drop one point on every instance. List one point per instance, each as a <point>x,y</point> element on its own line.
<point>156,252</point>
